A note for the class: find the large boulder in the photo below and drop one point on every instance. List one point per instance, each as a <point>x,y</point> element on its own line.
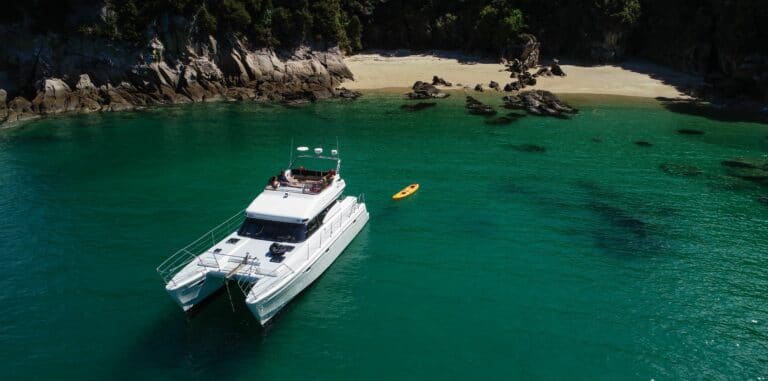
<point>424,90</point>
<point>53,97</point>
<point>438,81</point>
<point>20,109</point>
<point>555,68</point>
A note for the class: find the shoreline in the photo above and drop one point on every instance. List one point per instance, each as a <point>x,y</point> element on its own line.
<point>383,70</point>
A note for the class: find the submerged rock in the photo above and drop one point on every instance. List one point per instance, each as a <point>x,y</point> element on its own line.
<point>418,106</point>
<point>643,143</point>
<point>763,200</point>
<point>745,163</point>
<point>752,174</point>
<point>476,107</point>
<point>678,169</point>
<point>538,102</point>
<point>501,120</point>
<point>751,169</point>
<point>528,148</point>
<point>689,131</point>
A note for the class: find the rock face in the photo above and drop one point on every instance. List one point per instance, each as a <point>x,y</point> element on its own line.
<point>424,90</point>
<point>57,74</point>
<point>538,102</point>
<point>524,54</point>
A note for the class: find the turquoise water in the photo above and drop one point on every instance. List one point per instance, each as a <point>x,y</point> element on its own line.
<point>582,261</point>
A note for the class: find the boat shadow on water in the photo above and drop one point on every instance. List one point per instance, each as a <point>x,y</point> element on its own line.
<point>212,341</point>
<point>215,340</point>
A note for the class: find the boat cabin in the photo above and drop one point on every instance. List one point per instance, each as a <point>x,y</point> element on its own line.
<point>294,204</point>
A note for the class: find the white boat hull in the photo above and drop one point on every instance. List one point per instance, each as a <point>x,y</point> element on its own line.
<point>265,309</point>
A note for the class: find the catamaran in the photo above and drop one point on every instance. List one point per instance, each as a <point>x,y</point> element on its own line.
<point>284,240</point>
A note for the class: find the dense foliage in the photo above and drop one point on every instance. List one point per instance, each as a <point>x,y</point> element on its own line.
<point>692,34</point>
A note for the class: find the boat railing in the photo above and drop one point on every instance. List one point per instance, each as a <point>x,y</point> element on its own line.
<point>191,252</point>
<point>330,228</point>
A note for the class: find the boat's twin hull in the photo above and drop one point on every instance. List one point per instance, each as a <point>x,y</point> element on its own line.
<point>193,293</point>
<point>266,309</point>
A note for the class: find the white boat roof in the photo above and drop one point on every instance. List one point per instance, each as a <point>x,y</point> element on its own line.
<point>294,207</point>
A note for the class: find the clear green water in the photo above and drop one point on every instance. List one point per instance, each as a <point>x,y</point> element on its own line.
<point>582,262</point>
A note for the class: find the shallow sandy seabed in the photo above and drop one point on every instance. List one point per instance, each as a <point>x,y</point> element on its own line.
<point>400,69</point>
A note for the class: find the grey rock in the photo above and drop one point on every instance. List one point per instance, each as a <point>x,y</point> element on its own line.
<point>437,81</point>
<point>85,83</point>
<point>424,90</point>
<point>476,107</point>
<point>20,109</point>
<point>538,102</point>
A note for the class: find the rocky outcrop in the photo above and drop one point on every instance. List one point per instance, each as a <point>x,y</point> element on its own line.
<point>424,90</point>
<point>555,68</point>
<point>476,107</point>
<point>57,74</point>
<point>524,54</point>
<point>438,81</point>
<point>538,102</point>
<point>20,109</point>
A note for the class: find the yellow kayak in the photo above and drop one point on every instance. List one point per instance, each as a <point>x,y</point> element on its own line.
<point>406,192</point>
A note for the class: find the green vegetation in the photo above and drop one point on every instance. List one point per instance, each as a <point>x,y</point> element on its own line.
<point>694,35</point>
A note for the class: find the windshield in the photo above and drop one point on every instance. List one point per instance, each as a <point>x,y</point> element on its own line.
<point>273,230</point>
<point>314,164</point>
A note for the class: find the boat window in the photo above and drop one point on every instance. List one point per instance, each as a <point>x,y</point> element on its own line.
<point>272,230</point>
<point>315,223</point>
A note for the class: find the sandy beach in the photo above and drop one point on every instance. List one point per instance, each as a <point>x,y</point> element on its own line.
<point>400,69</point>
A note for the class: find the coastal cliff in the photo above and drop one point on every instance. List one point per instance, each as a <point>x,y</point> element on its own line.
<point>101,55</point>
<point>55,73</point>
